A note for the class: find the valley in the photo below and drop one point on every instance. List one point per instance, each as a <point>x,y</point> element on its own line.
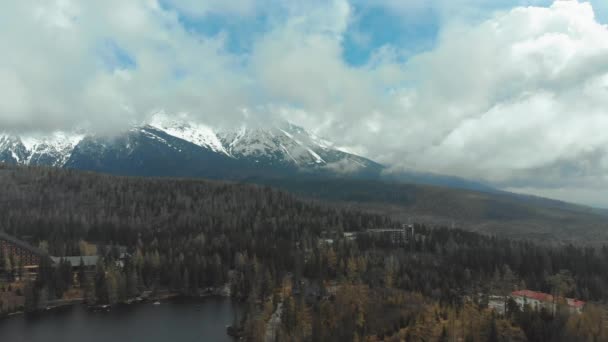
<point>290,158</point>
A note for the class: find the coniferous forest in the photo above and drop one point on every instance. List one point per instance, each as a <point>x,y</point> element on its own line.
<point>288,258</point>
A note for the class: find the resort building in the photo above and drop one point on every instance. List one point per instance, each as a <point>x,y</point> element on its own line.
<point>26,255</point>
<point>397,236</point>
<point>540,300</point>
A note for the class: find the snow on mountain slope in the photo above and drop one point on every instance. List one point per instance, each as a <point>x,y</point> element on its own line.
<point>180,148</point>
<point>36,149</point>
<point>54,149</point>
<point>265,145</point>
<point>288,144</point>
<point>12,150</point>
<point>283,146</point>
<point>195,133</point>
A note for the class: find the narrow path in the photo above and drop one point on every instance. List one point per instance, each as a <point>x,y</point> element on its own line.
<point>272,327</point>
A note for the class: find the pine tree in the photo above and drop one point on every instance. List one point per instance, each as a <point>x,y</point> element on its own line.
<point>493,334</point>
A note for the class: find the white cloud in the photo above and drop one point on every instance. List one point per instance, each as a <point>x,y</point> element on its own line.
<point>522,91</point>
<point>514,99</point>
<point>53,58</point>
<point>199,8</point>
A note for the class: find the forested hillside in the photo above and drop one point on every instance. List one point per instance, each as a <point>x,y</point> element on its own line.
<point>289,258</point>
<point>493,212</point>
<point>65,206</point>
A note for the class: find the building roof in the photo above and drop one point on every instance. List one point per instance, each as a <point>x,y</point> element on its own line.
<point>545,297</point>
<point>75,260</point>
<point>575,303</point>
<point>540,296</point>
<point>22,244</point>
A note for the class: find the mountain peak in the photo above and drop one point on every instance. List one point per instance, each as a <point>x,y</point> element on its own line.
<point>280,144</point>
<point>196,133</point>
<point>38,149</point>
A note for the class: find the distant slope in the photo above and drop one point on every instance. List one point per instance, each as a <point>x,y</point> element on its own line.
<point>504,214</point>
<point>64,206</point>
<point>148,152</point>
<point>500,213</point>
<point>413,177</point>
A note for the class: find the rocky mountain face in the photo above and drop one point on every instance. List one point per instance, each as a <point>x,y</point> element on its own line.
<point>53,149</point>
<point>167,147</point>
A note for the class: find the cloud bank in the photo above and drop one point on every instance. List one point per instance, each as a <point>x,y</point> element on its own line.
<point>511,92</point>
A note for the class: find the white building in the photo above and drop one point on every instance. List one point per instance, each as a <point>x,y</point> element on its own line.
<point>540,300</point>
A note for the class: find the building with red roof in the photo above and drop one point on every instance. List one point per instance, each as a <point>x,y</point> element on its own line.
<point>540,300</point>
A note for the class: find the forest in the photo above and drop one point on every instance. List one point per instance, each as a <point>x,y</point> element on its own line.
<point>286,256</point>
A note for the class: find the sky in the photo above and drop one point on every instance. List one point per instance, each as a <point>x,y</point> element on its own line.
<point>509,92</point>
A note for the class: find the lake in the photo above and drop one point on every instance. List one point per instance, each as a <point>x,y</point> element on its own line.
<point>174,320</point>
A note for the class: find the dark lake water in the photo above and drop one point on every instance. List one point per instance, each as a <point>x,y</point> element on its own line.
<point>175,320</point>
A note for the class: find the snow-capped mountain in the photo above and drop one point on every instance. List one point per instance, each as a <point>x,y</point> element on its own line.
<point>179,148</point>
<point>196,133</point>
<point>173,147</point>
<point>288,144</point>
<point>52,149</point>
<point>12,150</point>
<point>282,145</point>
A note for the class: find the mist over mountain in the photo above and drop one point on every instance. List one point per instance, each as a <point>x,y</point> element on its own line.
<point>173,147</point>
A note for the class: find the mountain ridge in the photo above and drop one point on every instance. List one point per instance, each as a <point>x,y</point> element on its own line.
<point>285,146</point>
<point>282,149</point>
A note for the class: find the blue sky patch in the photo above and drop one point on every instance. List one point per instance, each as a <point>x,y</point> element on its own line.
<point>113,56</point>
<point>372,27</point>
<point>240,32</point>
<point>376,27</point>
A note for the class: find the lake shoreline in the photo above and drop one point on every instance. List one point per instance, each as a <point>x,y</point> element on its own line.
<point>222,291</point>
<point>176,318</point>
